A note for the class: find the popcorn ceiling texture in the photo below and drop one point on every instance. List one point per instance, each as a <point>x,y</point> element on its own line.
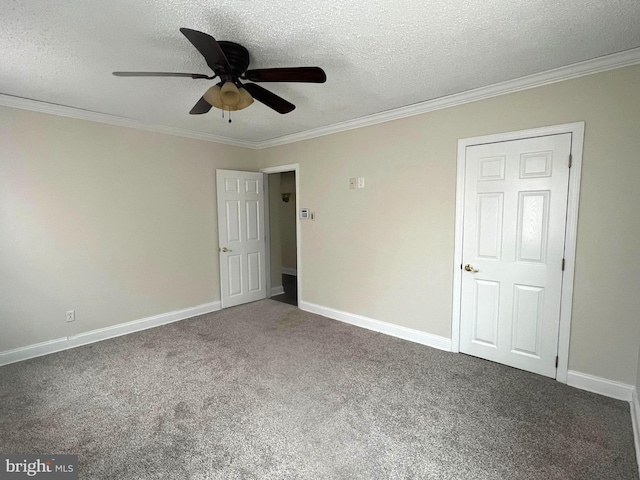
<point>378,55</point>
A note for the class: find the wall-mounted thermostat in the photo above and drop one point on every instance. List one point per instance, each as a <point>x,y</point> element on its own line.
<point>304,213</point>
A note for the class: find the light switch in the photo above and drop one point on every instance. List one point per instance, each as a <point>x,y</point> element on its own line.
<point>352,182</point>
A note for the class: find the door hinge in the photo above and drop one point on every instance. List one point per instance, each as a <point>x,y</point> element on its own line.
<point>570,160</point>
<point>563,264</point>
<point>556,361</point>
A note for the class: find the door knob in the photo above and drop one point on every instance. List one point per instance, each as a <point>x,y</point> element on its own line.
<point>469,268</point>
<point>225,249</point>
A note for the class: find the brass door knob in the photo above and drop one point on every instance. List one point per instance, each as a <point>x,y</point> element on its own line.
<point>469,268</point>
<point>225,249</point>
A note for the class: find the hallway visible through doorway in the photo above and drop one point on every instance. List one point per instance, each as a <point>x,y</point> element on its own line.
<point>283,238</point>
<point>290,294</point>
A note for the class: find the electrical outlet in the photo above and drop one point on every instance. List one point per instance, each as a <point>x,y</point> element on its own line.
<point>360,182</point>
<point>71,316</point>
<point>352,183</point>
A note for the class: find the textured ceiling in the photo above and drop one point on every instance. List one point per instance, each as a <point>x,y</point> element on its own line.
<point>378,54</point>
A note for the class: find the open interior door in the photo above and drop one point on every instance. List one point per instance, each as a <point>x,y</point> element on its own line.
<point>241,237</point>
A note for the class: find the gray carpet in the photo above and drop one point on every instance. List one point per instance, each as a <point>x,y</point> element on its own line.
<point>267,391</point>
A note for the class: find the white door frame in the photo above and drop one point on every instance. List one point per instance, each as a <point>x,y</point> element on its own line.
<point>577,138</point>
<point>292,167</point>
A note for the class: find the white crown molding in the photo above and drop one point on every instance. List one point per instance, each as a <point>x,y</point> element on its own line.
<point>424,338</point>
<point>581,69</point>
<point>588,67</point>
<point>65,343</point>
<point>78,113</point>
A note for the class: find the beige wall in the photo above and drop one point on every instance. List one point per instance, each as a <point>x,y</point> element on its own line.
<point>115,223</point>
<point>288,220</point>
<point>386,251</point>
<point>120,224</point>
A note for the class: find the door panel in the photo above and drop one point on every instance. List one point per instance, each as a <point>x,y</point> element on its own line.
<point>527,315</point>
<point>241,237</point>
<point>533,223</point>
<point>490,225</point>
<point>253,222</point>
<point>515,202</point>
<point>254,274</point>
<point>233,221</point>
<point>234,263</point>
<point>487,302</point>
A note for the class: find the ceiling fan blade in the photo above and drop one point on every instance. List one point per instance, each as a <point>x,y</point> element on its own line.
<point>297,74</point>
<point>201,107</point>
<point>210,50</point>
<point>161,74</point>
<point>270,99</point>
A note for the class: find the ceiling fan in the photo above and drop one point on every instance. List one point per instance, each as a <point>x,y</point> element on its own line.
<point>229,62</point>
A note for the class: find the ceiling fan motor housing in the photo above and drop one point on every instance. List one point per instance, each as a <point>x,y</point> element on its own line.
<point>237,55</point>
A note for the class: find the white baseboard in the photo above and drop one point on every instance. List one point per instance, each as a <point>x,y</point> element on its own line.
<point>608,388</point>
<point>32,351</point>
<point>435,341</point>
<point>279,290</point>
<point>289,271</point>
<point>635,420</point>
<point>583,381</point>
<point>65,343</point>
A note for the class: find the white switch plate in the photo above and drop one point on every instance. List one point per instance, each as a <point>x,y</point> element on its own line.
<point>71,316</point>
<point>360,182</point>
<point>352,182</point>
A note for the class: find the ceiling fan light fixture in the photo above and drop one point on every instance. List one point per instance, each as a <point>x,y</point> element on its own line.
<point>212,96</point>
<point>245,99</point>
<point>229,95</point>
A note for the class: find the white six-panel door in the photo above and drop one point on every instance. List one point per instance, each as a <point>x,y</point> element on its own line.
<point>241,237</point>
<point>515,203</point>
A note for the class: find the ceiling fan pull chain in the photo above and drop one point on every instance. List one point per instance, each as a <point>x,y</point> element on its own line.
<point>229,115</point>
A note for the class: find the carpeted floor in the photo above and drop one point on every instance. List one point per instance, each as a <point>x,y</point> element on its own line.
<point>267,391</point>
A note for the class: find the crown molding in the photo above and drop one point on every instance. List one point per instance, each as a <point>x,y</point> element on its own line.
<point>581,69</point>
<point>80,114</point>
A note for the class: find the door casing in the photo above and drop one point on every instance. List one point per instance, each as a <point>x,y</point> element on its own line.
<point>577,138</point>
<point>293,167</point>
